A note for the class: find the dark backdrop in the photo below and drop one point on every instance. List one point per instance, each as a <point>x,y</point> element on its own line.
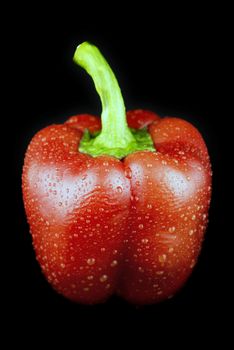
<point>165,61</point>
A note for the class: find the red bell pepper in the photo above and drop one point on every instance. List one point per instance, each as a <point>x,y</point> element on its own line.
<point>117,205</point>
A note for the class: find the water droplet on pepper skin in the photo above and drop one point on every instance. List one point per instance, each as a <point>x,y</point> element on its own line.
<point>191,232</point>
<point>103,278</point>
<point>119,189</point>
<point>91,261</point>
<point>162,258</point>
<point>128,173</point>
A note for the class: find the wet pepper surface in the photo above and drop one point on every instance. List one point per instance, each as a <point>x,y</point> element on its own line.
<point>102,225</point>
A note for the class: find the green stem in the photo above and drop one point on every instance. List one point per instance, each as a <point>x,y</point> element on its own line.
<point>116,138</point>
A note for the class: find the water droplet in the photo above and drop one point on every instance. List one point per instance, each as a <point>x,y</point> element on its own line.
<point>103,278</point>
<point>90,278</point>
<point>115,251</point>
<point>193,217</point>
<point>103,249</point>
<point>162,258</point>
<point>191,232</point>
<point>87,221</point>
<point>192,264</point>
<point>203,216</point>
<point>144,240</point>
<point>128,173</point>
<point>91,261</point>
<point>62,266</point>
<point>171,229</point>
<point>114,263</point>
<point>119,189</point>
<point>141,226</point>
<point>149,206</point>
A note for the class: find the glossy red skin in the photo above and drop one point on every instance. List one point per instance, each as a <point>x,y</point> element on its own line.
<point>102,225</point>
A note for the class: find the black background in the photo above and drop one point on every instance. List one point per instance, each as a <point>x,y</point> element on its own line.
<point>167,61</point>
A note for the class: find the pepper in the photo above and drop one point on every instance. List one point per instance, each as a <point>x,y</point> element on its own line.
<point>117,205</point>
